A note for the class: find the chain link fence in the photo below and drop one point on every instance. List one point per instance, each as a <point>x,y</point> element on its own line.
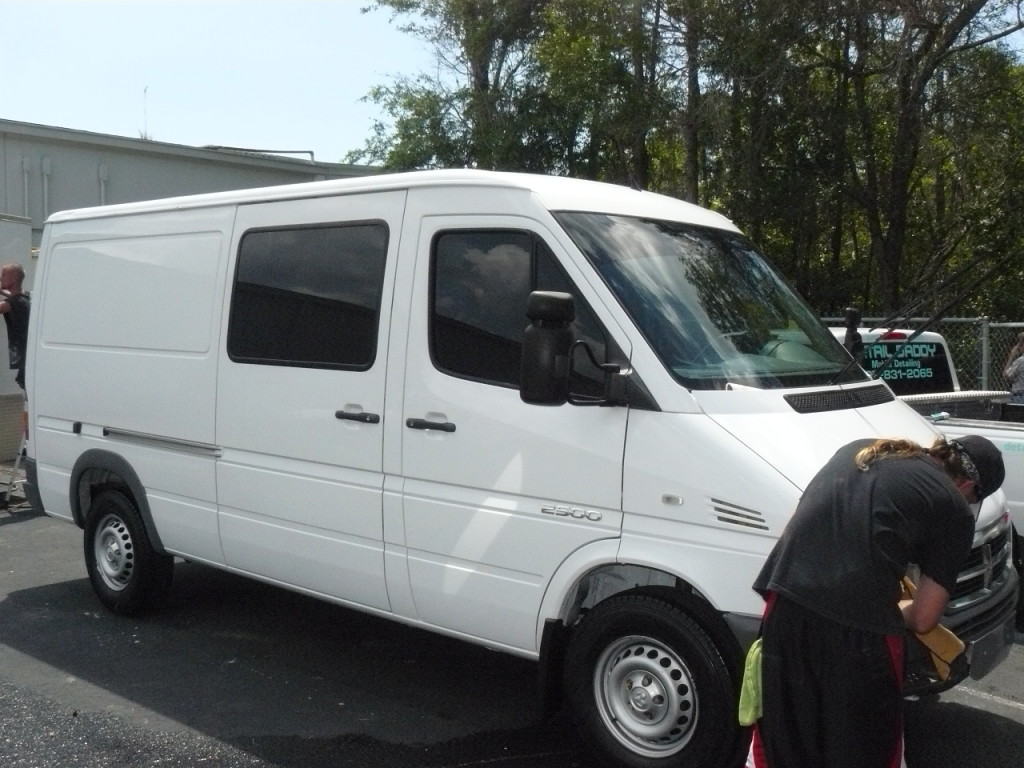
<point>980,347</point>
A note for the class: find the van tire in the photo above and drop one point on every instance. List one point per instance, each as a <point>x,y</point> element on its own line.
<point>127,574</point>
<point>681,706</point>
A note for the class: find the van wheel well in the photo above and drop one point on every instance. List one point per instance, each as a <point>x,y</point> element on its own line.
<point>558,633</point>
<point>91,483</point>
<point>98,470</point>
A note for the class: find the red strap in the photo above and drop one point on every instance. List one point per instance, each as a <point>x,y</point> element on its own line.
<point>756,759</point>
<point>896,647</point>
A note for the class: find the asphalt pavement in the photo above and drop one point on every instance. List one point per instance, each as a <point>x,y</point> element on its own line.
<point>233,673</point>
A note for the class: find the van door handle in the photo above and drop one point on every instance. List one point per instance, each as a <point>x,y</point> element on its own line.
<point>366,418</point>
<point>443,426</point>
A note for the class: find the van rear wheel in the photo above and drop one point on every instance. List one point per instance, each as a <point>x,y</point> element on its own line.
<point>126,573</point>
<point>649,688</point>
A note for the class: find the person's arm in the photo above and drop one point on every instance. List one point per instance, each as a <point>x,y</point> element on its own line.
<point>1014,354</point>
<point>1012,369</point>
<point>923,612</point>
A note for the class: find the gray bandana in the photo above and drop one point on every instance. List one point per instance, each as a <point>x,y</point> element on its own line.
<point>969,468</point>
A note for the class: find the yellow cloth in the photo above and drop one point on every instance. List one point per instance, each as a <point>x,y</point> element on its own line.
<point>750,691</point>
<point>943,645</point>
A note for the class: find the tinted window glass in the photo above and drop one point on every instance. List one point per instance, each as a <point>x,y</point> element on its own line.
<point>309,297</point>
<point>481,282</point>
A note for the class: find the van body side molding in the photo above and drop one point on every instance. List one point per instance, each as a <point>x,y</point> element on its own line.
<point>167,443</point>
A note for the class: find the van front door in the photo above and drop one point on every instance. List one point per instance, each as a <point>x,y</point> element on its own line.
<point>301,394</point>
<point>497,492</point>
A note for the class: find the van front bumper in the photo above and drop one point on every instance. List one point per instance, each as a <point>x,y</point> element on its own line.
<point>986,629</point>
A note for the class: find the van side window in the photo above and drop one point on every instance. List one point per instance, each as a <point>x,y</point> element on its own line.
<point>309,297</point>
<point>481,280</point>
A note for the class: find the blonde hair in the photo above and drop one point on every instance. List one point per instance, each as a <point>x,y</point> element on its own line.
<point>901,448</point>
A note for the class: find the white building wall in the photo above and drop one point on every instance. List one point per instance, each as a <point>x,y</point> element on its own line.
<point>44,169</point>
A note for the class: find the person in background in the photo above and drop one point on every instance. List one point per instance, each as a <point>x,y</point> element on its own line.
<point>833,632</point>
<point>14,306</point>
<point>1014,370</point>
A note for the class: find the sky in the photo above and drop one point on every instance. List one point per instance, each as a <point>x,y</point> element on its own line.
<point>260,74</point>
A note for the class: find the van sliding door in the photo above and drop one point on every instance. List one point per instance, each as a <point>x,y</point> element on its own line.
<point>301,393</point>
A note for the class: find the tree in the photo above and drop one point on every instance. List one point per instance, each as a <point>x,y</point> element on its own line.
<point>821,161</point>
<point>602,65</point>
<point>484,108</point>
<point>849,138</point>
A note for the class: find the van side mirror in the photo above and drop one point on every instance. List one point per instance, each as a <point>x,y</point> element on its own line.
<point>544,368</point>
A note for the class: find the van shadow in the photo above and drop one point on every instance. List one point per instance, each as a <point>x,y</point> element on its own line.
<point>942,734</point>
<point>17,513</point>
<point>293,680</point>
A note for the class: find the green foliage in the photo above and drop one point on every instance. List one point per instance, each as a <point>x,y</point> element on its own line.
<point>870,148</point>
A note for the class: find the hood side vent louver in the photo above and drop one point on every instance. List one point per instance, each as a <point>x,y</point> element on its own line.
<point>839,400</point>
<point>735,515</point>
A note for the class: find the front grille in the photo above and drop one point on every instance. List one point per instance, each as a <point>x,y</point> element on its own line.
<point>985,567</point>
<point>839,400</point>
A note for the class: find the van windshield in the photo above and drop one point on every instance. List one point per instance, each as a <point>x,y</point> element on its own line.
<point>709,305</point>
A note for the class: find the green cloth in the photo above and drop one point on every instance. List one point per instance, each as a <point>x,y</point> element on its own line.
<point>750,692</point>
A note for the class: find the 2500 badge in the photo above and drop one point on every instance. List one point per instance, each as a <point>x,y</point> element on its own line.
<point>574,512</point>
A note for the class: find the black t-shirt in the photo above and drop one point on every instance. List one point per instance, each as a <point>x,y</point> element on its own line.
<point>17,327</point>
<point>854,532</point>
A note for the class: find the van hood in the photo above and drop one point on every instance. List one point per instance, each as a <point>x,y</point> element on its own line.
<point>797,445</point>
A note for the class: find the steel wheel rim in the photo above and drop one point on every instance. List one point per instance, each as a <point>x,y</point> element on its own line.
<point>645,696</point>
<point>114,552</point>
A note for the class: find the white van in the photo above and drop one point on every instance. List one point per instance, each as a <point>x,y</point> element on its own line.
<point>331,387</point>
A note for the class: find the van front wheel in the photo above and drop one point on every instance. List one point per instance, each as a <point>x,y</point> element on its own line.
<point>649,688</point>
<point>126,573</point>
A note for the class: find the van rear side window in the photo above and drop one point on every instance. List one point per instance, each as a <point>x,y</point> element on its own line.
<point>309,297</point>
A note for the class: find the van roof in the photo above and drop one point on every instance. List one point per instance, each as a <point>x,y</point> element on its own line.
<point>556,193</point>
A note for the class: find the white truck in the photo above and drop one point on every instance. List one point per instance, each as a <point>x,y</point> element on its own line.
<point>332,387</point>
<point>923,374</point>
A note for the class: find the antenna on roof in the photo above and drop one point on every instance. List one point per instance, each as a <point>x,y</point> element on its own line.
<point>145,116</point>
